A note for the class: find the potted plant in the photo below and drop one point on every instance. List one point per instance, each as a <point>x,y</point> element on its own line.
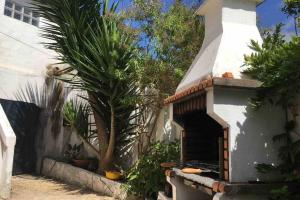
<point>73,154</point>
<point>113,175</point>
<point>81,162</point>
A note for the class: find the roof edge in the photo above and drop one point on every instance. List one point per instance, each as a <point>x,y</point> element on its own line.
<point>210,82</point>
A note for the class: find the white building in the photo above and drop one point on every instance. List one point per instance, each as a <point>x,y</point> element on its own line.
<point>23,57</point>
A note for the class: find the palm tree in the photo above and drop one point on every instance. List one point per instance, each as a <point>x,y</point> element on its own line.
<point>86,36</point>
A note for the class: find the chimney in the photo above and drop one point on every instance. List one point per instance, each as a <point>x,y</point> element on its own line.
<point>230,25</point>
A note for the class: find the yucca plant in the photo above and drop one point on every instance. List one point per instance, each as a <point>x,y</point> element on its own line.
<point>76,115</point>
<point>86,36</point>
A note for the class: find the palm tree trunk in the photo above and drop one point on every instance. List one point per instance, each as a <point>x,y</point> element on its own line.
<point>101,135</point>
<point>102,139</point>
<point>107,161</point>
<point>106,145</point>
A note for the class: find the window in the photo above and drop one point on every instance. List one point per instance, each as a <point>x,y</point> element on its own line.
<point>20,12</point>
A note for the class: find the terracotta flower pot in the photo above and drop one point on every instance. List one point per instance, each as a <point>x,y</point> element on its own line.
<point>81,163</point>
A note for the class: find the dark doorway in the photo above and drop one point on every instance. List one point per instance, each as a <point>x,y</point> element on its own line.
<point>23,118</point>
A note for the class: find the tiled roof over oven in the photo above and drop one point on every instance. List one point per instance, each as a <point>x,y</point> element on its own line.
<point>226,81</point>
<point>192,90</point>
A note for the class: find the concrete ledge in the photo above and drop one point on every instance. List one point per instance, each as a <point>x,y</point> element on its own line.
<point>206,181</point>
<point>80,177</point>
<point>237,83</point>
<point>261,189</point>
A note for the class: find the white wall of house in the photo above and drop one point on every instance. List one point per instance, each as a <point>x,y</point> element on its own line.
<point>250,131</point>
<point>22,56</point>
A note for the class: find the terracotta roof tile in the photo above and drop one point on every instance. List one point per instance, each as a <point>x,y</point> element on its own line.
<point>191,90</point>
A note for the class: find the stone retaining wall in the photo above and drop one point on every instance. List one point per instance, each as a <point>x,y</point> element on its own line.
<point>80,177</point>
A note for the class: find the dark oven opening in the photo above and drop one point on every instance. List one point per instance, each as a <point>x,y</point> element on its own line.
<point>202,143</point>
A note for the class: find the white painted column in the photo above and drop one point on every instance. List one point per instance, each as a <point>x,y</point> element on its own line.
<point>7,145</point>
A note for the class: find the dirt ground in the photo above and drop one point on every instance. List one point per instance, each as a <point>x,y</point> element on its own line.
<point>27,187</point>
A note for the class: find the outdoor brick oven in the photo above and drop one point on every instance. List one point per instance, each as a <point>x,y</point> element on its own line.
<point>221,133</point>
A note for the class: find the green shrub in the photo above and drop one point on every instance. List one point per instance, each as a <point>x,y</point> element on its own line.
<point>147,177</point>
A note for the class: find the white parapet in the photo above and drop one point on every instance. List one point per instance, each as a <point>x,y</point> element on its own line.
<point>7,145</point>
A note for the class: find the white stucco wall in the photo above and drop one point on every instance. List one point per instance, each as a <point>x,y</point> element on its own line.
<point>229,27</point>
<point>49,146</point>
<point>22,56</point>
<point>167,129</point>
<point>250,131</point>
<point>7,144</point>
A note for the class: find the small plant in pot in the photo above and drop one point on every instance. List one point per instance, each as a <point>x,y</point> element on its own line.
<point>73,155</point>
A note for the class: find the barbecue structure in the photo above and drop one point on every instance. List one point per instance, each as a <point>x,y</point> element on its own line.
<point>221,134</point>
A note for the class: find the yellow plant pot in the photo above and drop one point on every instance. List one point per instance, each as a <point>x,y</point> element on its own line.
<point>113,175</point>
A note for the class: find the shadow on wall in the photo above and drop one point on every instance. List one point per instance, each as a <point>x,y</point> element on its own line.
<point>254,144</point>
<point>168,130</point>
<point>54,147</point>
<point>251,132</point>
<point>47,144</point>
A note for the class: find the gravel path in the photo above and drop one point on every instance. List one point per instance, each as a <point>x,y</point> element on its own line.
<point>27,187</point>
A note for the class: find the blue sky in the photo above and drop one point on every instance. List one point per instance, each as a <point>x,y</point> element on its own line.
<point>269,13</point>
